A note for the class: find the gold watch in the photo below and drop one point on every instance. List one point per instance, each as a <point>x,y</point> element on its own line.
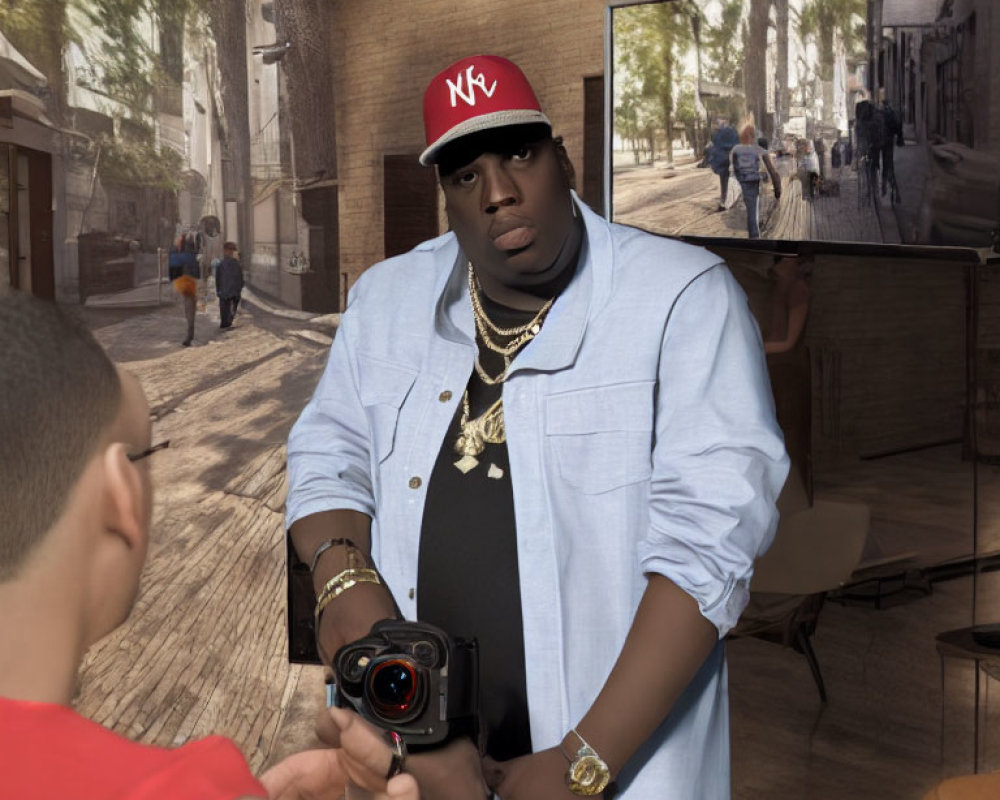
<point>588,773</point>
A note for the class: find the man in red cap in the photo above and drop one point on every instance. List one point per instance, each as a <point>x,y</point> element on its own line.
<point>555,435</point>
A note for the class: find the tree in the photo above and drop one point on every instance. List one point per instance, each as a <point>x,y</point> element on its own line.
<point>627,120</point>
<point>699,132</point>
<point>689,115</point>
<point>782,92</point>
<point>649,41</point>
<point>754,63</point>
<point>724,46</point>
<point>826,20</point>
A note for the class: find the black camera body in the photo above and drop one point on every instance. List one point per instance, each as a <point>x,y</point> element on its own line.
<point>411,678</point>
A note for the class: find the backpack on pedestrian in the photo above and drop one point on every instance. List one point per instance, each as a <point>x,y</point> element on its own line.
<point>746,163</point>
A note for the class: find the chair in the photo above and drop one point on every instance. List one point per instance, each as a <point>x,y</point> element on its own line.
<point>815,550</point>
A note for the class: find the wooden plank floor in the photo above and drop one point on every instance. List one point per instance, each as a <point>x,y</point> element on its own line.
<point>683,201</point>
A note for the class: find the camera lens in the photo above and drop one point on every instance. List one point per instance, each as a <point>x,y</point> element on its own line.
<point>392,685</point>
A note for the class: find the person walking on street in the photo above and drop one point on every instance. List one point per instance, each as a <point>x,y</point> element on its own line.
<point>185,261</point>
<point>723,141</point>
<point>819,146</point>
<point>229,284</point>
<point>837,156</point>
<point>747,157</point>
<point>892,125</point>
<point>808,168</point>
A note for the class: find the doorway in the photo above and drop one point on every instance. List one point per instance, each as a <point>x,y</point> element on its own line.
<point>26,253</point>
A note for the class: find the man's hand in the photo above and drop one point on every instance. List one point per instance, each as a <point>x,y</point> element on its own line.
<point>324,774</point>
<point>538,776</point>
<point>452,772</point>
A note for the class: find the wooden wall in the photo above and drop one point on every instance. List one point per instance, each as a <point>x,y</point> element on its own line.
<point>888,339</point>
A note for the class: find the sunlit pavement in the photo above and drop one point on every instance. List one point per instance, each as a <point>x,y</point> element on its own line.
<point>205,650</point>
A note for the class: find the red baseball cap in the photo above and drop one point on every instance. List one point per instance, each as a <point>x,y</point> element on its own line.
<point>475,94</point>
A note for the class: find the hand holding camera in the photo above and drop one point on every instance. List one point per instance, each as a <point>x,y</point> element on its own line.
<point>411,678</point>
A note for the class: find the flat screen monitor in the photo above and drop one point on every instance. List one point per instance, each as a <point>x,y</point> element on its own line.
<point>875,120</point>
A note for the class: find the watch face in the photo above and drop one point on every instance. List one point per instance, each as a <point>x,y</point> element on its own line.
<point>588,775</point>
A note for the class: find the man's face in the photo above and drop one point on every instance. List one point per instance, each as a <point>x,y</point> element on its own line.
<point>510,207</point>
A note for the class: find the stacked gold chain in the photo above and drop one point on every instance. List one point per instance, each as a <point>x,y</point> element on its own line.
<point>488,427</point>
<point>485,326</point>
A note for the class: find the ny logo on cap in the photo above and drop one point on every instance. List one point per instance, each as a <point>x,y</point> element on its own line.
<point>468,94</point>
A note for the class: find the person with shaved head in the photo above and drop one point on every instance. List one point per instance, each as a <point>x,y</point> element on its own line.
<point>76,502</point>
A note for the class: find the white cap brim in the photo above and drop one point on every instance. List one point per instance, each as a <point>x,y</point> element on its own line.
<point>496,119</point>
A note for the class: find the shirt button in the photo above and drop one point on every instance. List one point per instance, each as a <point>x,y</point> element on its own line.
<point>415,482</point>
<point>412,593</point>
<point>445,396</point>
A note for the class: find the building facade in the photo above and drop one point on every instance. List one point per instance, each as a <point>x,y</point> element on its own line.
<point>106,156</point>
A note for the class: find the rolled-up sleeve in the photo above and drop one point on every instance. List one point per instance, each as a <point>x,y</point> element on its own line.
<point>719,459</point>
<point>329,463</point>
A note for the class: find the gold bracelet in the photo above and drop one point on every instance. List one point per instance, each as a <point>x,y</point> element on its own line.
<point>340,583</point>
<point>355,557</point>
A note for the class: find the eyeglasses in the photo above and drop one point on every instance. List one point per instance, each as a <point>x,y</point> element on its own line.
<point>149,450</point>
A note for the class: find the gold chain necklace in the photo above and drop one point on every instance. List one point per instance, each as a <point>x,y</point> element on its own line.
<point>487,428</point>
<point>484,325</point>
<point>486,378</point>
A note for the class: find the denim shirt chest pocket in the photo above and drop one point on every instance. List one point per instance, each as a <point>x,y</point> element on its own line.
<point>382,387</point>
<point>601,437</point>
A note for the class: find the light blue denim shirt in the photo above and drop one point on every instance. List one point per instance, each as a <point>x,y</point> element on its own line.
<point>642,439</point>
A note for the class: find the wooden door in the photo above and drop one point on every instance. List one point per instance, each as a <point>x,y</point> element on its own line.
<point>592,190</point>
<point>410,203</point>
<point>39,180</point>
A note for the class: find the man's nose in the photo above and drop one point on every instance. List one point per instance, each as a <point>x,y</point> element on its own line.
<point>498,188</point>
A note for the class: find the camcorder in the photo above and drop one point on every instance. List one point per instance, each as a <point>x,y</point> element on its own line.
<point>411,678</point>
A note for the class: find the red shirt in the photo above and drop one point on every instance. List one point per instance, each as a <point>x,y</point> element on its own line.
<point>49,752</point>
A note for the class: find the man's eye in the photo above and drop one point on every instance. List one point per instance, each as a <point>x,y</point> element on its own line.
<point>466,178</point>
<point>522,154</point>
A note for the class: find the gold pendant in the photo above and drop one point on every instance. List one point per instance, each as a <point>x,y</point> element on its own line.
<point>469,442</point>
<point>475,433</point>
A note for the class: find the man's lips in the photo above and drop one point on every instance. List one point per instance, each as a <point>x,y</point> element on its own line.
<point>514,238</point>
<point>511,232</point>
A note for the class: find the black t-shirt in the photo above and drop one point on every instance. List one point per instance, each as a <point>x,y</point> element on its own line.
<point>468,572</point>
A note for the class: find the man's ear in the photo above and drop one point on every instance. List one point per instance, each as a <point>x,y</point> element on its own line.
<point>125,499</point>
<point>564,161</point>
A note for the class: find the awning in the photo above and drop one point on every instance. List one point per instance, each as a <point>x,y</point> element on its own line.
<point>910,13</point>
<point>15,68</point>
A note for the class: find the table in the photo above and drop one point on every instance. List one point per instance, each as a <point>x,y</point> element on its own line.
<point>961,643</point>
